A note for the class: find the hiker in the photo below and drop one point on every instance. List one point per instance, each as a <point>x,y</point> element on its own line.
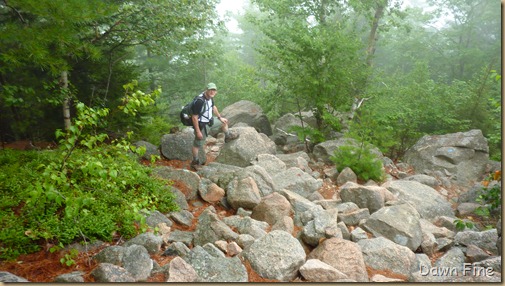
<point>203,119</point>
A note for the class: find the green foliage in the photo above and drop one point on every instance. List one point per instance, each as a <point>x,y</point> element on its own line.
<point>151,129</point>
<point>490,197</point>
<point>490,200</point>
<point>462,225</point>
<point>307,133</point>
<point>404,107</point>
<point>84,190</point>
<point>361,160</point>
<point>313,64</point>
<point>494,107</point>
<point>68,257</point>
<point>94,40</point>
<point>100,193</point>
<point>134,99</point>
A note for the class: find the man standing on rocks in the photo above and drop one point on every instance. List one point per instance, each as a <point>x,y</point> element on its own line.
<point>202,117</point>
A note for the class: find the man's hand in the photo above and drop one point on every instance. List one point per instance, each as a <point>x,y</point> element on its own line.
<point>199,135</point>
<point>223,120</point>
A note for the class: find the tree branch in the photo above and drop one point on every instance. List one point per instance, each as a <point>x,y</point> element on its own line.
<point>17,12</point>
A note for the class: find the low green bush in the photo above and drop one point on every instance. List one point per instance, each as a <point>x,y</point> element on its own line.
<point>361,160</point>
<point>85,190</point>
<point>102,193</point>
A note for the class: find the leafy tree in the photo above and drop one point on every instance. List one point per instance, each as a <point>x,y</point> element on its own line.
<point>313,63</point>
<point>470,36</point>
<point>89,42</point>
<point>408,106</point>
<point>456,90</point>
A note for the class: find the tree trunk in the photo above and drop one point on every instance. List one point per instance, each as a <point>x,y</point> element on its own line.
<point>372,38</point>
<point>66,102</point>
<point>370,51</point>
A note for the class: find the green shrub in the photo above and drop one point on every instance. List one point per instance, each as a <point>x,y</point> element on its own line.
<point>490,197</point>
<point>85,190</point>
<point>361,160</point>
<point>151,129</point>
<point>101,193</point>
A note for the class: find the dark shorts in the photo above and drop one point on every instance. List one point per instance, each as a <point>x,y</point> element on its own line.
<point>201,142</point>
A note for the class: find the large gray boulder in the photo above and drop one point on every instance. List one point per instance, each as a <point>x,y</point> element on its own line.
<point>211,229</point>
<point>249,113</point>
<point>277,255</point>
<point>464,154</point>
<point>181,271</point>
<point>190,179</point>
<point>343,255</point>
<point>133,262</point>
<point>223,175</point>
<point>177,146</point>
<point>383,254</point>
<point>261,176</point>
<point>298,181</point>
<point>216,268</point>
<point>370,197</point>
<point>314,270</point>
<point>319,223</point>
<point>427,201</point>
<point>283,134</point>
<point>271,163</point>
<point>107,272</point>
<point>398,223</point>
<point>8,277</point>
<point>246,148</point>
<point>324,150</point>
<point>298,159</point>
<point>137,262</point>
<point>485,240</point>
<point>247,225</point>
<point>272,208</point>
<point>151,149</point>
<point>149,240</point>
<point>243,193</point>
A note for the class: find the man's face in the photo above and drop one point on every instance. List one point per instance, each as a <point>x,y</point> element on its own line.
<point>211,93</point>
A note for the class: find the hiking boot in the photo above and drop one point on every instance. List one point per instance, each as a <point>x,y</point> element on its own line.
<point>195,165</point>
<point>229,137</point>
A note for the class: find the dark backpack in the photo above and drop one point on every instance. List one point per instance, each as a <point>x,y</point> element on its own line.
<point>186,111</point>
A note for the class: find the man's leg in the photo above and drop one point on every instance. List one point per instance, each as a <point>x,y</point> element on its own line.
<point>227,134</point>
<point>194,150</point>
<point>197,145</point>
<point>195,162</point>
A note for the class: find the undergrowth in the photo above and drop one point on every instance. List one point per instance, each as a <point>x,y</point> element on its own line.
<point>101,195</point>
<point>83,191</point>
<point>360,160</point>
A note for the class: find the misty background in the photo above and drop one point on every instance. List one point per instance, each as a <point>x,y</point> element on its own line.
<point>417,67</point>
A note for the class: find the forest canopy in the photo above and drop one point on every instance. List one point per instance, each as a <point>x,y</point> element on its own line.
<point>412,71</point>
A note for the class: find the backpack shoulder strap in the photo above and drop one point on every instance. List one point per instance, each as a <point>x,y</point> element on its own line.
<point>204,105</point>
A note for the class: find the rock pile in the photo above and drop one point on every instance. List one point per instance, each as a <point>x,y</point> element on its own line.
<point>286,230</point>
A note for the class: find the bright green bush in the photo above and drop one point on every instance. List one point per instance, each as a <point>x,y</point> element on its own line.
<point>361,160</point>
<point>151,129</point>
<point>102,193</point>
<point>85,190</point>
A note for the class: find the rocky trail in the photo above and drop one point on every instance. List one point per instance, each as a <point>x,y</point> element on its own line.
<point>252,214</point>
<point>44,266</point>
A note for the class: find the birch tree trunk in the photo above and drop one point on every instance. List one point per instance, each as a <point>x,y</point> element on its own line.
<point>66,102</point>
